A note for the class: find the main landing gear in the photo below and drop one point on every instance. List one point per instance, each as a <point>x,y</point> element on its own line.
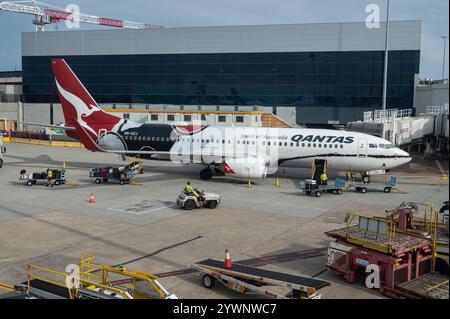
<point>211,170</point>
<point>206,174</point>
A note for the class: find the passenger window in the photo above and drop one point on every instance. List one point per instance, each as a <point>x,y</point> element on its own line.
<point>320,145</point>
<point>314,145</point>
<point>335,146</point>
<point>342,146</point>
<point>303,144</point>
<point>324,145</point>
<point>309,144</point>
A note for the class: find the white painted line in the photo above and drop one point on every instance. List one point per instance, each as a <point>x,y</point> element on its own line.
<point>139,213</point>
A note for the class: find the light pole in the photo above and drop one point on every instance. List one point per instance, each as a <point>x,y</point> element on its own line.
<point>386,58</point>
<point>445,37</point>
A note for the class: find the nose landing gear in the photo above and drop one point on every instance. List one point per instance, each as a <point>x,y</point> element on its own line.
<point>365,178</point>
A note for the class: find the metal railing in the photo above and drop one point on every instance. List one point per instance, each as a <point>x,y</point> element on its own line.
<point>437,110</point>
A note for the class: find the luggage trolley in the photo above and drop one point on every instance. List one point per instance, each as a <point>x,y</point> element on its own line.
<point>312,188</point>
<point>386,187</point>
<point>245,279</point>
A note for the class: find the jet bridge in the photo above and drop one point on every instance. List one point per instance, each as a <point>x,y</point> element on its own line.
<point>429,131</point>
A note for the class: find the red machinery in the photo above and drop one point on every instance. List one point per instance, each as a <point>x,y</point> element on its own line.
<point>401,258</point>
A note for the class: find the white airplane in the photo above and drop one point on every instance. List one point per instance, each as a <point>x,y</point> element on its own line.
<point>249,152</point>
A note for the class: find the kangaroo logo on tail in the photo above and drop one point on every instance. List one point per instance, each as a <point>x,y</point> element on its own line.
<point>77,104</point>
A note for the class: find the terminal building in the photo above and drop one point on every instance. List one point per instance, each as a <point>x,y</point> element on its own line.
<point>305,74</point>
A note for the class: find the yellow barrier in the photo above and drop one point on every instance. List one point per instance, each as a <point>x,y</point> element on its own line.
<point>45,143</point>
<point>6,139</point>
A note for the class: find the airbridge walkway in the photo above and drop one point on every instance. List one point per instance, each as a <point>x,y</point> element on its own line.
<point>428,131</point>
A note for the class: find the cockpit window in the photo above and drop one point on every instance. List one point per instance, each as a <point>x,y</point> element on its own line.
<point>373,146</point>
<point>386,146</point>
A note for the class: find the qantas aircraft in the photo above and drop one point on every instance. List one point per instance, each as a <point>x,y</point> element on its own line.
<point>244,152</point>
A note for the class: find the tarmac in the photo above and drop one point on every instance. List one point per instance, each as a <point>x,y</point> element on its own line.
<point>140,226</point>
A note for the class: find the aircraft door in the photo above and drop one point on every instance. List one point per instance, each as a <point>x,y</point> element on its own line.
<point>362,147</point>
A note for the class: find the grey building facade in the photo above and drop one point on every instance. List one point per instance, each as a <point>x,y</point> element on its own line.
<point>331,73</point>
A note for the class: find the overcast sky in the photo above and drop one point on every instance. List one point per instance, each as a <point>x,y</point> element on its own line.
<point>433,13</point>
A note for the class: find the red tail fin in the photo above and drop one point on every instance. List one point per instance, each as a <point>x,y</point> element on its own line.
<point>78,105</point>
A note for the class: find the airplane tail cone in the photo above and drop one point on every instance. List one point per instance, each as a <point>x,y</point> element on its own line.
<point>227,259</point>
<point>92,199</point>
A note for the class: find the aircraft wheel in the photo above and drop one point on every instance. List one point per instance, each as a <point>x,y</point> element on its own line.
<point>366,179</point>
<point>189,204</point>
<point>387,190</point>
<point>208,281</point>
<point>206,174</point>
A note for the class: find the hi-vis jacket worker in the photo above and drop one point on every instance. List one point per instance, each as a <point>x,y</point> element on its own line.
<point>324,179</point>
<point>49,177</point>
<point>189,189</point>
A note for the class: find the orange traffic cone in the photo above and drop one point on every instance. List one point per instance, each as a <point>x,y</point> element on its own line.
<point>91,199</point>
<point>227,259</point>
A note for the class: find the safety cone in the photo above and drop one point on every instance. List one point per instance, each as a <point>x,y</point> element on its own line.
<point>277,182</point>
<point>64,165</point>
<point>249,184</point>
<point>227,259</point>
<point>91,199</point>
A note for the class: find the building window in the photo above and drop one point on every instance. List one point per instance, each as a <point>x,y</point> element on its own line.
<point>154,117</point>
<point>188,118</point>
<point>222,118</point>
<point>239,119</point>
<point>171,117</point>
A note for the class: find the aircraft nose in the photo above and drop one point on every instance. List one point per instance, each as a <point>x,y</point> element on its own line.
<point>404,156</point>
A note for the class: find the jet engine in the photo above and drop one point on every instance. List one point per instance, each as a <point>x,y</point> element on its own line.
<point>112,142</point>
<point>248,167</point>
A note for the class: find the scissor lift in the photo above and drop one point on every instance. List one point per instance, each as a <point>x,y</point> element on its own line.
<point>406,262</point>
<point>245,279</point>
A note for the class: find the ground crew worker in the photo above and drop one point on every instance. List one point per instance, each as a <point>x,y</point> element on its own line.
<point>188,189</point>
<point>49,177</point>
<point>324,178</point>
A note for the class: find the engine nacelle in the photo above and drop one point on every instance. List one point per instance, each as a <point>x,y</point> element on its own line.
<point>111,141</point>
<point>248,167</point>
